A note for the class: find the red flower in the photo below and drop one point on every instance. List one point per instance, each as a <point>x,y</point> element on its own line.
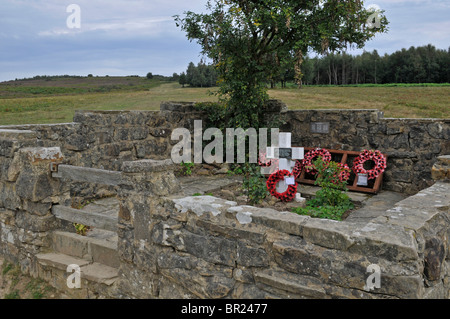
<point>376,156</point>
<point>307,161</point>
<point>276,177</point>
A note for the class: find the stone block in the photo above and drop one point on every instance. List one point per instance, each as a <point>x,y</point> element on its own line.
<point>37,208</point>
<point>232,230</point>
<point>42,154</point>
<point>251,257</point>
<point>328,233</point>
<point>390,242</point>
<point>71,244</point>
<point>183,107</point>
<point>204,282</point>
<point>97,220</point>
<point>291,286</point>
<point>35,223</point>
<point>90,175</point>
<point>212,249</point>
<point>441,169</point>
<point>104,252</point>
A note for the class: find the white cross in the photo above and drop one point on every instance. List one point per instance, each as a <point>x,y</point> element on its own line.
<point>287,157</point>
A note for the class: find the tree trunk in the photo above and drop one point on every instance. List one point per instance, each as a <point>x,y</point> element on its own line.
<point>298,68</point>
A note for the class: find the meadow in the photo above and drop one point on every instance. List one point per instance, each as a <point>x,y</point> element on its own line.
<point>44,101</point>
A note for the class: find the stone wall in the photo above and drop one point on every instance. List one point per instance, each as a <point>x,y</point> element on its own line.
<point>207,247</point>
<point>412,145</point>
<point>27,193</point>
<point>105,139</point>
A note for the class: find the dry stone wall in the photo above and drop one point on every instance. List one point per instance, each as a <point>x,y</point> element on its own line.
<point>412,145</point>
<point>27,193</point>
<point>172,246</point>
<point>105,139</point>
<point>207,247</point>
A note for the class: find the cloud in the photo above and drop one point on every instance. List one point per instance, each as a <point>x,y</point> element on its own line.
<point>122,37</point>
<point>153,27</point>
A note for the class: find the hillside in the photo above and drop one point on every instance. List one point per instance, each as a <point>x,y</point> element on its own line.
<point>55,99</point>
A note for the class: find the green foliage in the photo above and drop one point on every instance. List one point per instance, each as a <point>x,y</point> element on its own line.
<point>250,41</point>
<point>182,79</point>
<point>215,114</point>
<point>35,288</point>
<point>6,268</point>
<point>13,295</point>
<point>202,75</point>
<point>419,65</point>
<point>81,229</point>
<point>331,201</point>
<point>186,168</point>
<point>253,183</point>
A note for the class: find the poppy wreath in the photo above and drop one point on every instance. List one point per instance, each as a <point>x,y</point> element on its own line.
<point>375,156</point>
<point>344,173</point>
<point>263,161</point>
<point>307,161</point>
<point>276,177</point>
<point>297,168</point>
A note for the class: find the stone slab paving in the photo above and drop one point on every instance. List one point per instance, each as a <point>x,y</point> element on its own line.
<point>204,184</point>
<point>372,205</point>
<point>376,206</point>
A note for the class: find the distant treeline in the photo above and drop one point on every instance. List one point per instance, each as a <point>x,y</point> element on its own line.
<point>416,65</point>
<point>174,77</point>
<point>202,75</point>
<point>424,64</point>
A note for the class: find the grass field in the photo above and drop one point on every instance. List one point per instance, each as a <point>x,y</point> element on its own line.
<point>55,101</point>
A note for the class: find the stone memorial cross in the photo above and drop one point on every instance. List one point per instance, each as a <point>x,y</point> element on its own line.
<point>287,157</point>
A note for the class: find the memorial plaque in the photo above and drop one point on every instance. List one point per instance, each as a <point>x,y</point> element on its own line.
<point>362,180</point>
<point>285,153</point>
<point>320,127</point>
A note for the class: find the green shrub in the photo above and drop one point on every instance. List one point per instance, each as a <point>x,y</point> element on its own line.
<point>253,183</point>
<point>331,201</point>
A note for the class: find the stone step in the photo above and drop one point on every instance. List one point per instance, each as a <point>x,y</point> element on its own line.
<point>91,271</point>
<point>98,247</point>
<point>102,220</point>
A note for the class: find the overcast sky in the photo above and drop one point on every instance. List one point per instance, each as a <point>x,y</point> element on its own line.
<point>133,37</point>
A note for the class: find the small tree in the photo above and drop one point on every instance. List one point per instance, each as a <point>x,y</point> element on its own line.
<point>182,80</point>
<point>149,75</point>
<point>247,40</point>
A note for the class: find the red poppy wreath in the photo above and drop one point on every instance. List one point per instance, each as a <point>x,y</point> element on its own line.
<point>308,160</point>
<point>263,161</point>
<point>276,177</point>
<point>297,168</point>
<point>377,157</point>
<point>344,173</point>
